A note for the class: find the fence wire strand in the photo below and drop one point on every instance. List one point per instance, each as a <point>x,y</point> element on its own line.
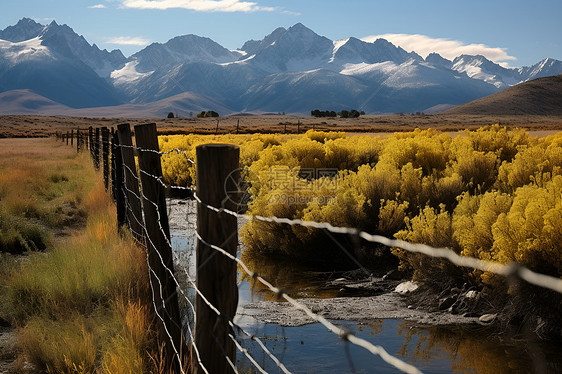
<point>541,280</point>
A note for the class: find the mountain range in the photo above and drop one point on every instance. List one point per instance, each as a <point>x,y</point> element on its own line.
<point>50,69</point>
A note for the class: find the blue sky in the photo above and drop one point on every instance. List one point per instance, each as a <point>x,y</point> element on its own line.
<point>513,32</point>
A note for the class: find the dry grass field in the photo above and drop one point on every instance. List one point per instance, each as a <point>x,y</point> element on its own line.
<point>40,126</point>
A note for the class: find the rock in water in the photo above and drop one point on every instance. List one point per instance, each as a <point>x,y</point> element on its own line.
<point>406,287</point>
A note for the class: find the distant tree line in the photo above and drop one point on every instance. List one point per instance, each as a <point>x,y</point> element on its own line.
<point>330,113</point>
<point>207,114</point>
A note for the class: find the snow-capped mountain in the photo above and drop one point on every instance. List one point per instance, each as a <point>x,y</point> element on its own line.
<point>181,49</point>
<point>62,39</point>
<point>58,64</point>
<point>291,70</point>
<point>545,68</point>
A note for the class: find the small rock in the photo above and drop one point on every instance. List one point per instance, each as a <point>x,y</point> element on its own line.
<point>447,302</point>
<point>406,287</point>
<point>487,318</point>
<point>471,294</point>
<point>393,275</point>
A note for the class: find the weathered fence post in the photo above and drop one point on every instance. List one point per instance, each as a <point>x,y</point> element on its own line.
<point>112,162</point>
<point>91,136</point>
<point>159,246</point>
<point>217,173</point>
<point>97,148</point>
<point>134,210</point>
<point>237,126</point>
<point>117,171</point>
<point>72,137</point>
<point>67,135</point>
<point>105,155</point>
<point>78,140</point>
<point>217,129</point>
<point>299,126</point>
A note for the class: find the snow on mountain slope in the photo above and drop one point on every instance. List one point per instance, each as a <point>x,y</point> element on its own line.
<point>14,53</point>
<point>479,67</point>
<point>128,74</point>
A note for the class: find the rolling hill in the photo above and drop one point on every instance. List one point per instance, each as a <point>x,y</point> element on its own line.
<point>542,96</point>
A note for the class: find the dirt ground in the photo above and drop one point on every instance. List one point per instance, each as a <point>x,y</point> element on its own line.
<point>36,126</point>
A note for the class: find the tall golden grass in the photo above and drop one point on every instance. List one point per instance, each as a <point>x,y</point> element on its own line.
<point>83,306</point>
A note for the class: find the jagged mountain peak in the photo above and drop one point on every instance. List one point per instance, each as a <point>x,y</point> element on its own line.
<point>25,29</point>
<point>294,49</point>
<point>357,51</point>
<point>252,46</point>
<point>437,60</point>
<point>182,49</point>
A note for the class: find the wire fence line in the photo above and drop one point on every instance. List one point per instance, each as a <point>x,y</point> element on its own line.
<point>506,270</point>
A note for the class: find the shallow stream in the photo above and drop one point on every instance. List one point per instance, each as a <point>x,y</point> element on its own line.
<point>311,348</point>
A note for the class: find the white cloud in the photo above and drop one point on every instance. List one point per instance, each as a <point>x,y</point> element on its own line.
<point>97,6</point>
<point>424,45</point>
<point>197,5</point>
<point>128,40</point>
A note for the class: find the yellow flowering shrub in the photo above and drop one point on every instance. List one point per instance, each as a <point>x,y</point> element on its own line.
<point>493,194</point>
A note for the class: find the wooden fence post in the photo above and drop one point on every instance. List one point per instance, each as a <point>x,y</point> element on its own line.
<point>91,141</point>
<point>217,173</point>
<point>112,162</point>
<point>134,210</point>
<point>67,135</point>
<point>117,171</point>
<point>105,155</point>
<point>237,126</point>
<point>97,148</point>
<point>159,246</point>
<point>78,140</point>
<point>299,126</point>
<point>72,137</point>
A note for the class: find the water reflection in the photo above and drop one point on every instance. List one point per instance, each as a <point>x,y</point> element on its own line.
<point>292,277</point>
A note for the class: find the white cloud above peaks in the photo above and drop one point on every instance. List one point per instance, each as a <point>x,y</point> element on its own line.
<point>97,6</point>
<point>128,40</point>
<point>197,5</point>
<point>424,45</point>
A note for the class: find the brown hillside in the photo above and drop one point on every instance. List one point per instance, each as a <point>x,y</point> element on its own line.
<point>542,96</point>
